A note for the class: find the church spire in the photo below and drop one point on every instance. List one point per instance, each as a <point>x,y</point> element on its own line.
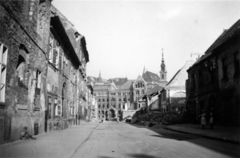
<point>99,77</point>
<point>163,72</point>
<point>144,70</point>
<point>163,64</point>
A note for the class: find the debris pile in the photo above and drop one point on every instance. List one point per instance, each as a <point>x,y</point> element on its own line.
<point>156,117</point>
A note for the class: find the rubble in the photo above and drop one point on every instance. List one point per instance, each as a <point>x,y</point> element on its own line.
<point>156,117</point>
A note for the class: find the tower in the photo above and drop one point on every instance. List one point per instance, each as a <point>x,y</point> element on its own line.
<point>163,72</point>
<point>144,70</point>
<point>99,77</point>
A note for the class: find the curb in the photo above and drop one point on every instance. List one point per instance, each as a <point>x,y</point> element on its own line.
<point>205,136</point>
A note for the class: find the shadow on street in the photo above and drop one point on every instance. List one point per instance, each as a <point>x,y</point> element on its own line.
<point>214,145</point>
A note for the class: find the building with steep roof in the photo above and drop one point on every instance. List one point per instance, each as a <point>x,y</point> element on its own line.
<point>214,80</point>
<point>173,95</point>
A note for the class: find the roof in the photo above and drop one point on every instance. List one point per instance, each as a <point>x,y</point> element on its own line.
<point>118,81</point>
<point>60,31</point>
<point>126,85</point>
<point>179,79</point>
<point>71,31</point>
<point>149,77</point>
<point>92,79</point>
<point>224,36</point>
<point>154,90</point>
<point>101,87</point>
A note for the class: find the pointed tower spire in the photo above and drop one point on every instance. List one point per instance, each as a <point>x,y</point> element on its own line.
<point>163,72</point>
<point>99,77</point>
<point>144,70</point>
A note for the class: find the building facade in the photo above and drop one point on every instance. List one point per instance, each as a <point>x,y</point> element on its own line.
<point>214,81</point>
<point>173,95</point>
<point>43,65</point>
<point>24,34</point>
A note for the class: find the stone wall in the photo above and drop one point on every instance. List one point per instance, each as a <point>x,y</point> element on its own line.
<point>25,101</point>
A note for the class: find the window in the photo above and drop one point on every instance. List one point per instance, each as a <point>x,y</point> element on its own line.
<point>3,68</point>
<point>99,106</point>
<point>31,9</point>
<point>38,79</point>
<point>200,78</point>
<point>224,69</point>
<point>58,108</point>
<point>193,81</point>
<point>107,105</point>
<point>113,99</point>
<point>54,52</point>
<point>99,100</point>
<point>49,106</point>
<point>236,64</point>
<point>120,99</point>
<point>103,106</point>
<point>212,66</point>
<point>103,100</point>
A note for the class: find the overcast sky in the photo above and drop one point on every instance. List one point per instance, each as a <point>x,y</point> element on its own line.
<point>124,36</point>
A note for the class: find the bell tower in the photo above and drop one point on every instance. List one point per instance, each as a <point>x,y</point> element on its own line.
<point>163,71</point>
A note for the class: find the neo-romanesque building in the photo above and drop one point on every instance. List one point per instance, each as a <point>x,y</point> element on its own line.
<point>43,70</point>
<point>118,94</point>
<point>214,80</point>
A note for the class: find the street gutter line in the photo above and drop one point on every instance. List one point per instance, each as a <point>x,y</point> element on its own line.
<point>71,156</point>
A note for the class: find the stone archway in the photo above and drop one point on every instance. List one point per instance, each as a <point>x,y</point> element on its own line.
<point>112,114</point>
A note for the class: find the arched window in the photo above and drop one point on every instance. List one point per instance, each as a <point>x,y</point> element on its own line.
<point>137,92</point>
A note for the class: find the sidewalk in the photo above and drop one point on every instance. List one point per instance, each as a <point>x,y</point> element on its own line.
<point>60,143</point>
<point>228,134</point>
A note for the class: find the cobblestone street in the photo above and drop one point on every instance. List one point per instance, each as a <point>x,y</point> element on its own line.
<point>110,139</point>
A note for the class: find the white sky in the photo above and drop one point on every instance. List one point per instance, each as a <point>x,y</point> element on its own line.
<point>124,36</point>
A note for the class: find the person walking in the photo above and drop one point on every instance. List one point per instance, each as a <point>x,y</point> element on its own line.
<point>203,121</point>
<point>211,121</point>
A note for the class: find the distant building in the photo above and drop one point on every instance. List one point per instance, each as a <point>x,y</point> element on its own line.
<point>214,80</point>
<point>153,79</point>
<point>173,95</point>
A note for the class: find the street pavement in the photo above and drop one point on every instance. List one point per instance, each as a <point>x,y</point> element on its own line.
<point>118,140</point>
<point>229,134</point>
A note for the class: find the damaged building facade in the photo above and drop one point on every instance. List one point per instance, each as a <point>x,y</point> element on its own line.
<point>214,80</point>
<point>40,81</point>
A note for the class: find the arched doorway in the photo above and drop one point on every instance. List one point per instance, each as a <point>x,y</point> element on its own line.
<point>112,114</point>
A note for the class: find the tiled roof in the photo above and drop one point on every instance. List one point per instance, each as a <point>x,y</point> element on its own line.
<point>126,85</point>
<point>179,79</point>
<point>149,77</point>
<point>118,81</point>
<point>154,90</point>
<point>101,87</point>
